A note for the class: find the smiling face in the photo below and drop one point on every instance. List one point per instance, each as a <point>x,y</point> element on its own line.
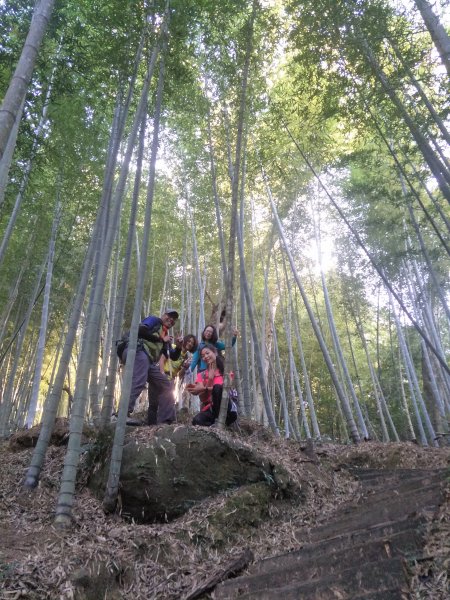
<point>189,344</point>
<point>168,321</point>
<point>208,333</point>
<point>209,356</point>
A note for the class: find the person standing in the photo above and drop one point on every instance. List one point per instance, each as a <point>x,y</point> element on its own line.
<point>154,340</point>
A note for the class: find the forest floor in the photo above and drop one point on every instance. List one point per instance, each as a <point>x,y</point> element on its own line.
<point>102,556</point>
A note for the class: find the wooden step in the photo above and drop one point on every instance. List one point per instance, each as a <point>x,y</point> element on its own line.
<point>407,543</point>
<point>388,475</point>
<point>297,568</point>
<point>361,553</point>
<point>391,594</point>
<point>401,483</point>
<point>366,515</point>
<point>348,584</point>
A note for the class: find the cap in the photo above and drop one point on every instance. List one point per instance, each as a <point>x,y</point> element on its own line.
<point>171,312</point>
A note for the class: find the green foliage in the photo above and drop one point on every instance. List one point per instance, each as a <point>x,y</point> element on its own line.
<point>312,91</point>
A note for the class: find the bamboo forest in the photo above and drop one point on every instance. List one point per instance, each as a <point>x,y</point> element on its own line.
<point>277,170</point>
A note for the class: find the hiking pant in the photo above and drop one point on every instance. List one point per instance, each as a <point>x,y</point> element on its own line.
<point>161,396</point>
<point>161,399</point>
<point>208,417</point>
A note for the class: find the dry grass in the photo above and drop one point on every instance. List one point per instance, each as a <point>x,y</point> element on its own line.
<point>107,557</point>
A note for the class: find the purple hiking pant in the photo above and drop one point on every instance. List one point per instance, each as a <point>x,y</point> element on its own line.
<point>161,399</point>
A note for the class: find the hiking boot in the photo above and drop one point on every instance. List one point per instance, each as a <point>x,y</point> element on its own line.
<point>134,422</point>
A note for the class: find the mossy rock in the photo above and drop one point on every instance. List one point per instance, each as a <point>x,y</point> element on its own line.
<point>165,475</point>
<point>243,511</point>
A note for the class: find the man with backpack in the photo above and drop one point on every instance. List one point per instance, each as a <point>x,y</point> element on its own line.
<point>153,341</point>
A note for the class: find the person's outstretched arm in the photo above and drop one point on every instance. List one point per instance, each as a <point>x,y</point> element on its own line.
<point>195,360</point>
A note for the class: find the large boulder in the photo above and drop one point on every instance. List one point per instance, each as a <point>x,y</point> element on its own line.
<point>166,471</point>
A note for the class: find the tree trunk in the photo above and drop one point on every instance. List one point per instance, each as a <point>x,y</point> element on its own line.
<point>278,373</point>
<point>437,31</point>
<point>66,495</point>
<point>295,381</point>
<point>6,160</point>
<point>121,295</point>
<point>404,176</point>
<point>26,173</point>
<point>312,409</point>
<point>340,356</point>
<point>44,319</point>
<point>4,318</point>
<point>415,389</point>
<point>216,196</point>
<point>432,394</point>
<point>373,377</point>
<point>108,336</point>
<point>437,168</point>
<point>257,347</point>
<point>437,119</point>
<point>244,339</point>
<point>439,355</point>
<point>430,268</point>
<point>112,487</point>
<point>13,100</point>
<point>339,390</point>
<point>234,224</point>
<point>55,392</point>
<point>201,322</point>
<point>7,401</point>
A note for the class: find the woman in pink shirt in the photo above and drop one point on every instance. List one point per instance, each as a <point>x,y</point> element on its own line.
<point>208,386</point>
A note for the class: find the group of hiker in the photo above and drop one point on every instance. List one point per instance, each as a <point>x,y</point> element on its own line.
<point>160,359</point>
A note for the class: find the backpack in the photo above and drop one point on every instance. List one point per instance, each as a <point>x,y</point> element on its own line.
<point>144,331</point>
<point>233,400</point>
<point>233,395</point>
<point>121,345</point>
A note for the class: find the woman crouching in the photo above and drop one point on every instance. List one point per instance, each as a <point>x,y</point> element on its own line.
<point>208,386</point>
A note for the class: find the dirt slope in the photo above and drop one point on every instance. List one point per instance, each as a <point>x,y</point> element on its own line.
<point>105,557</point>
